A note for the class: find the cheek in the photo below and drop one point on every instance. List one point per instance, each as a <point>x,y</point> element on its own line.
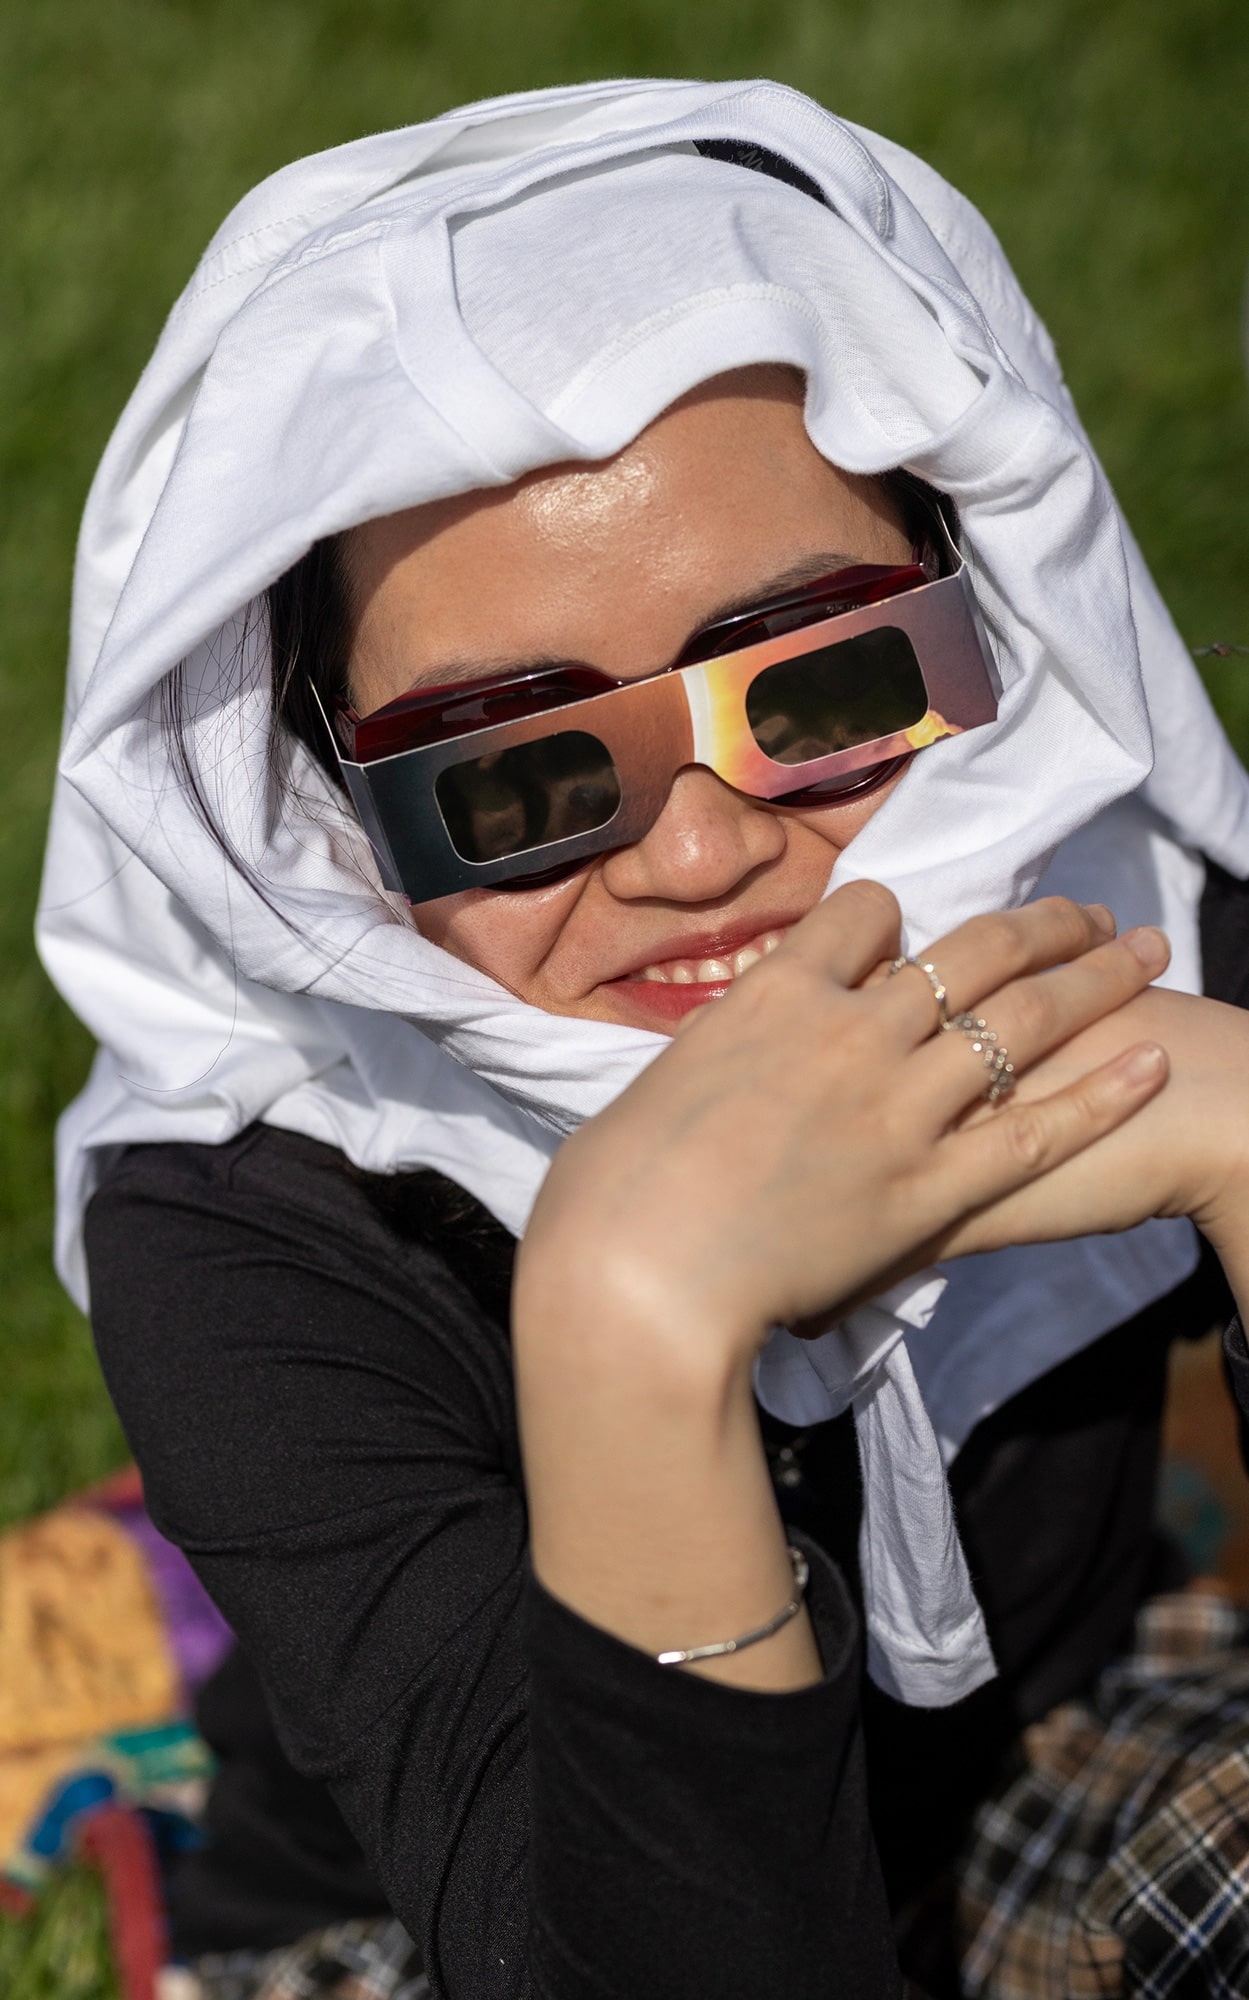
<point>837,825</point>
<point>505,935</point>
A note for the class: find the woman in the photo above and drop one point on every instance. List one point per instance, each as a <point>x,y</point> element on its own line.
<point>456,431</point>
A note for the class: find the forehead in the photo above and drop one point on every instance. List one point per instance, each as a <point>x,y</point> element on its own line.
<point>617,559</point>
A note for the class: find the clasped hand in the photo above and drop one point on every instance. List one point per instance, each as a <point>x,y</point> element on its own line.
<point>810,1138</point>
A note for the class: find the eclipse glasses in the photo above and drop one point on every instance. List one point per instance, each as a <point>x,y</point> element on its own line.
<point>807,699</point>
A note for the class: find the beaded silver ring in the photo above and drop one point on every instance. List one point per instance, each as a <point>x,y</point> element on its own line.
<point>991,1051</point>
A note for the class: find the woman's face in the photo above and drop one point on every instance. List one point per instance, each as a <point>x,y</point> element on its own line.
<point>723,502</point>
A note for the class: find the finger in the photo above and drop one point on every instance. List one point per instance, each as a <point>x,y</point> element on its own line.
<point>1034,1015</point>
<point>1025,1141</point>
<point>848,933</point>
<point>988,951</point>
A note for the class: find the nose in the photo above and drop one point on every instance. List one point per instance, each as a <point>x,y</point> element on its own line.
<point>706,841</point>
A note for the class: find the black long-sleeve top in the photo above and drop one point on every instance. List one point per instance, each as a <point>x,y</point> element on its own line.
<point>313,1368</point>
<point>321,1402</point>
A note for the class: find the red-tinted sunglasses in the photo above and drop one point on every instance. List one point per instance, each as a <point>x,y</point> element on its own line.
<point>811,696</point>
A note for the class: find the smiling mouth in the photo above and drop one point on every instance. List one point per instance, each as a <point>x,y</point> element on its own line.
<point>708,971</point>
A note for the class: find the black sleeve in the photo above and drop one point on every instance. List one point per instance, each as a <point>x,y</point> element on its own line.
<point>324,1419</point>
<point>1225,976</point>
<point>1236,1367</point>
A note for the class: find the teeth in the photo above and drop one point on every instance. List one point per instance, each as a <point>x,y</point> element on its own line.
<point>712,971</point>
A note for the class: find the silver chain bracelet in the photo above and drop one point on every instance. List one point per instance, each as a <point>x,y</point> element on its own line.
<point>681,1656</point>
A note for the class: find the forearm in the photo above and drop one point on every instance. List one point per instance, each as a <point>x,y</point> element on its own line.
<point>651,1509</point>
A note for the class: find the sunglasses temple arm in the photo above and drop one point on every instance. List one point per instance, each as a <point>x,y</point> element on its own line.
<point>360,793</point>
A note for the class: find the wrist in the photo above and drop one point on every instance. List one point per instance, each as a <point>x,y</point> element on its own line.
<point>590,1360</point>
<point>595,1308</point>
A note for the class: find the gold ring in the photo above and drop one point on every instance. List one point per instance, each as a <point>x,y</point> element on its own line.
<point>934,980</point>
<point>991,1051</point>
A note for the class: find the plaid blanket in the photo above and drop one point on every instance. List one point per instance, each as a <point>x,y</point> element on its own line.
<point>1116,1862</point>
<point>1113,1862</point>
<point>367,1960</point>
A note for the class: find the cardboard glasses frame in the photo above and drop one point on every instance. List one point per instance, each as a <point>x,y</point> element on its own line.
<point>607,760</point>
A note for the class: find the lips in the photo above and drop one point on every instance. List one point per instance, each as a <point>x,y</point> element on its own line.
<point>668,987</point>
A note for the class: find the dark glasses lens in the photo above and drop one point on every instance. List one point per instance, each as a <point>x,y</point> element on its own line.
<point>836,697</point>
<point>844,590</point>
<point>527,796</point>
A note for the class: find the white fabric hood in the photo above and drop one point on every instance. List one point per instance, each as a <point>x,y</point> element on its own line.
<point>449,306</point>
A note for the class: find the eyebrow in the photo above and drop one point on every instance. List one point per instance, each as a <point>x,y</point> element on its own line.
<point>450,673</point>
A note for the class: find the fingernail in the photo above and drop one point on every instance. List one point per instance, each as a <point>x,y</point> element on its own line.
<point>1149,946</point>
<point>1142,1065</point>
<point>1102,917</point>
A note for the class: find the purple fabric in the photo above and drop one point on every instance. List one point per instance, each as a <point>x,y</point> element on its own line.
<point>198,1634</point>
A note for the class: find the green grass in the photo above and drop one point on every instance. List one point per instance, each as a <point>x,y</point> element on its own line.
<point>61,1951</point>
<point>1107,144</point>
